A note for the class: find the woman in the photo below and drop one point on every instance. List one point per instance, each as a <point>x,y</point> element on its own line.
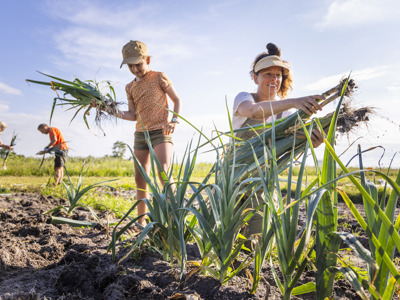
<point>273,78</point>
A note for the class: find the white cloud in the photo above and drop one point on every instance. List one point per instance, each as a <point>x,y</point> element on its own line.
<point>215,73</point>
<point>9,90</point>
<point>94,35</point>
<point>93,13</point>
<point>324,83</point>
<point>370,73</point>
<point>395,87</point>
<point>359,12</point>
<point>4,107</point>
<point>358,75</point>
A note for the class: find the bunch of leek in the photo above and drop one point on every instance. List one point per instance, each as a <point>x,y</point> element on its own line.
<point>84,93</point>
<point>289,130</point>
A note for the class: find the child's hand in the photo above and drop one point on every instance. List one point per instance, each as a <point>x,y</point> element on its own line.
<point>96,105</point>
<point>169,128</point>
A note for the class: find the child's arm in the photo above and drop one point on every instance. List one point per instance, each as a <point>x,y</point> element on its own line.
<point>173,95</point>
<point>129,114</point>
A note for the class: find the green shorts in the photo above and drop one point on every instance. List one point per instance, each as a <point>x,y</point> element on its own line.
<point>156,138</point>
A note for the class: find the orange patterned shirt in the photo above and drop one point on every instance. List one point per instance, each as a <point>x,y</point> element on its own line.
<point>150,99</point>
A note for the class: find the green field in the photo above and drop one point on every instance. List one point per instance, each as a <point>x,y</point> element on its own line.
<point>24,174</point>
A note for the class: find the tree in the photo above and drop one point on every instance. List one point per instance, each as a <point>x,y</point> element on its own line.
<point>118,149</point>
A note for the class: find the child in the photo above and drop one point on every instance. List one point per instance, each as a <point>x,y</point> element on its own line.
<point>3,126</point>
<point>147,100</point>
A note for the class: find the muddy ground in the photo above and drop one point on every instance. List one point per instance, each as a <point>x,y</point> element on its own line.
<point>39,260</point>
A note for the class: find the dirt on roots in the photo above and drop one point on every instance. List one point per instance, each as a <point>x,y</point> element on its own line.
<point>40,260</point>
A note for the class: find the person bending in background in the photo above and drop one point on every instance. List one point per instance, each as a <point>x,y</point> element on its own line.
<point>58,144</point>
<point>273,78</point>
<point>3,126</point>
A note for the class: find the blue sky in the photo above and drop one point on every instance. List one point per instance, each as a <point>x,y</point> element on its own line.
<point>206,49</point>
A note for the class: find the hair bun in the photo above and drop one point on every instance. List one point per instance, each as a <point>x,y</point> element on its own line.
<point>273,49</point>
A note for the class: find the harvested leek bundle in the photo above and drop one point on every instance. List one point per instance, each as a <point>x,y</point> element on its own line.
<point>288,131</point>
<point>55,150</point>
<point>8,151</point>
<point>84,93</point>
<point>285,126</point>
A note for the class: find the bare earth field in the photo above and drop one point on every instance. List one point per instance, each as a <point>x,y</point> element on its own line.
<point>39,260</point>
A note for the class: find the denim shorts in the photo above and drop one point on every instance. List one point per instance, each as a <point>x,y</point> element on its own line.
<point>156,138</point>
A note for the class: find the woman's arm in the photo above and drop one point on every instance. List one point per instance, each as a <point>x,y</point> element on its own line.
<point>260,110</point>
<point>173,95</point>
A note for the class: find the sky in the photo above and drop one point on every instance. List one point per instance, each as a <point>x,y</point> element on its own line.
<point>206,49</point>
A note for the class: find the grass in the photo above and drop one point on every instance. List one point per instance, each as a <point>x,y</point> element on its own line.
<point>18,165</point>
<point>17,178</point>
<point>99,199</point>
<point>23,175</point>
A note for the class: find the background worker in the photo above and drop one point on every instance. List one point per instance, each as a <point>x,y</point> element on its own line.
<point>58,146</point>
<point>3,126</point>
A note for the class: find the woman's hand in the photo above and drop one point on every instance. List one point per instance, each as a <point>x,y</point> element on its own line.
<point>169,128</point>
<point>308,104</point>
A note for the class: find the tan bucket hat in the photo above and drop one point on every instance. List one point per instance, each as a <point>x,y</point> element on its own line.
<point>133,52</point>
<point>272,61</point>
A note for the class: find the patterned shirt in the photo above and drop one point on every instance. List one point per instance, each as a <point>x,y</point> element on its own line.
<point>150,99</point>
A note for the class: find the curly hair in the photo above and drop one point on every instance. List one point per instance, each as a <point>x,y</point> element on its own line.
<point>287,80</point>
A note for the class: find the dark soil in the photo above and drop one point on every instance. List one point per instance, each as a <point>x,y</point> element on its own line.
<point>39,260</point>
